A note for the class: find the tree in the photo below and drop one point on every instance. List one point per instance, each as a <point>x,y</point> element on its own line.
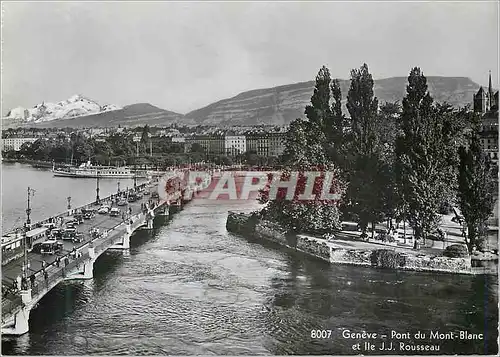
<point>363,197</point>
<point>334,128</point>
<point>251,157</point>
<point>144,143</point>
<point>319,111</point>
<point>423,156</point>
<point>197,148</point>
<point>362,106</point>
<point>387,130</point>
<point>476,188</point>
<point>296,144</point>
<point>306,145</point>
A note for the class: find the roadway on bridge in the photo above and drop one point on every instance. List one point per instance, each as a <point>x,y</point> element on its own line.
<point>13,269</point>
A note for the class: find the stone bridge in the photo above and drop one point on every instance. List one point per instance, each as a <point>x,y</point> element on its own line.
<point>76,261</point>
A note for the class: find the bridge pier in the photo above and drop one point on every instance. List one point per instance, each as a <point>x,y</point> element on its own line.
<point>125,241</point>
<point>150,219</point>
<point>87,271</point>
<point>20,324</point>
<point>164,211</point>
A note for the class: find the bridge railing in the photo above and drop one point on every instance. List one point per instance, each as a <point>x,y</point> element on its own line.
<point>65,213</point>
<point>41,285</point>
<point>10,304</point>
<point>55,274</point>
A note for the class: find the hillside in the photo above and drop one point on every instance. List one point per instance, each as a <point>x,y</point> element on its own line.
<point>276,106</point>
<point>282,104</point>
<point>130,115</point>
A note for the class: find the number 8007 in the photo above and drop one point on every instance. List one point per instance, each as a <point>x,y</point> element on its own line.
<point>321,333</point>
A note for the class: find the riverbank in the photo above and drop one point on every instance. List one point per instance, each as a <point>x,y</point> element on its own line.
<point>350,251</point>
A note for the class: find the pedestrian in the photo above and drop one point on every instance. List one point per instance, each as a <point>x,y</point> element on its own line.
<point>66,261</point>
<point>45,275</point>
<point>24,283</point>
<point>57,262</point>
<point>43,264</point>
<point>32,280</point>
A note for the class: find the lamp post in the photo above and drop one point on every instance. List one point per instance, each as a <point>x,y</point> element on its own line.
<point>69,205</point>
<point>28,209</point>
<point>97,199</point>
<point>135,175</point>
<point>31,192</point>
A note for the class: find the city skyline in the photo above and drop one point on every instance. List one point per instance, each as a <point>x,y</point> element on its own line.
<point>210,51</point>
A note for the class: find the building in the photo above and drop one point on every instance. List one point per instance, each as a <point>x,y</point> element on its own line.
<point>258,142</point>
<point>234,144</point>
<point>486,103</point>
<point>212,144</point>
<point>15,143</point>
<point>179,139</point>
<point>276,143</point>
<point>489,135</point>
<point>264,143</point>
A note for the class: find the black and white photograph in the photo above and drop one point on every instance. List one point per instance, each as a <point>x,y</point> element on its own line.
<point>249,178</point>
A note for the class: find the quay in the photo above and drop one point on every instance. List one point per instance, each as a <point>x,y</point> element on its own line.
<point>32,275</point>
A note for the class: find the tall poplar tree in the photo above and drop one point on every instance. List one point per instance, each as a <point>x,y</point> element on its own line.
<point>476,188</point>
<point>362,197</point>
<point>423,152</point>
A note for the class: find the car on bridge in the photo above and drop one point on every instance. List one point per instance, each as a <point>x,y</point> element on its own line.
<point>88,213</point>
<point>78,238</point>
<point>103,209</point>
<point>122,202</point>
<point>49,225</point>
<point>69,234</point>
<point>115,212</point>
<point>51,247</point>
<point>56,233</point>
<point>132,198</point>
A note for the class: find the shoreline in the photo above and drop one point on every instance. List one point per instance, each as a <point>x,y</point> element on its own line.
<point>344,252</point>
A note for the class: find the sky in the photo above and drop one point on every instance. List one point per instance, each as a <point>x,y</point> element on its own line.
<point>181,56</point>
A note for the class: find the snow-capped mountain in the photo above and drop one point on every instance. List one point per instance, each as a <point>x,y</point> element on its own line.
<point>75,106</point>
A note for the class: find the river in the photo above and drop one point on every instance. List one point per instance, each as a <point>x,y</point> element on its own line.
<point>190,287</point>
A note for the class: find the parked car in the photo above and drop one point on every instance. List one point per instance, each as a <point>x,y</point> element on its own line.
<point>51,247</point>
<point>103,210</point>
<point>56,233</point>
<point>71,221</point>
<point>115,212</point>
<point>78,238</point>
<point>36,248</point>
<point>122,202</point>
<point>132,198</point>
<point>69,234</point>
<point>50,225</point>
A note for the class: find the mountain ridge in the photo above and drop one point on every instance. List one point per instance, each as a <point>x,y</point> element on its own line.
<point>284,103</point>
<point>277,105</point>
